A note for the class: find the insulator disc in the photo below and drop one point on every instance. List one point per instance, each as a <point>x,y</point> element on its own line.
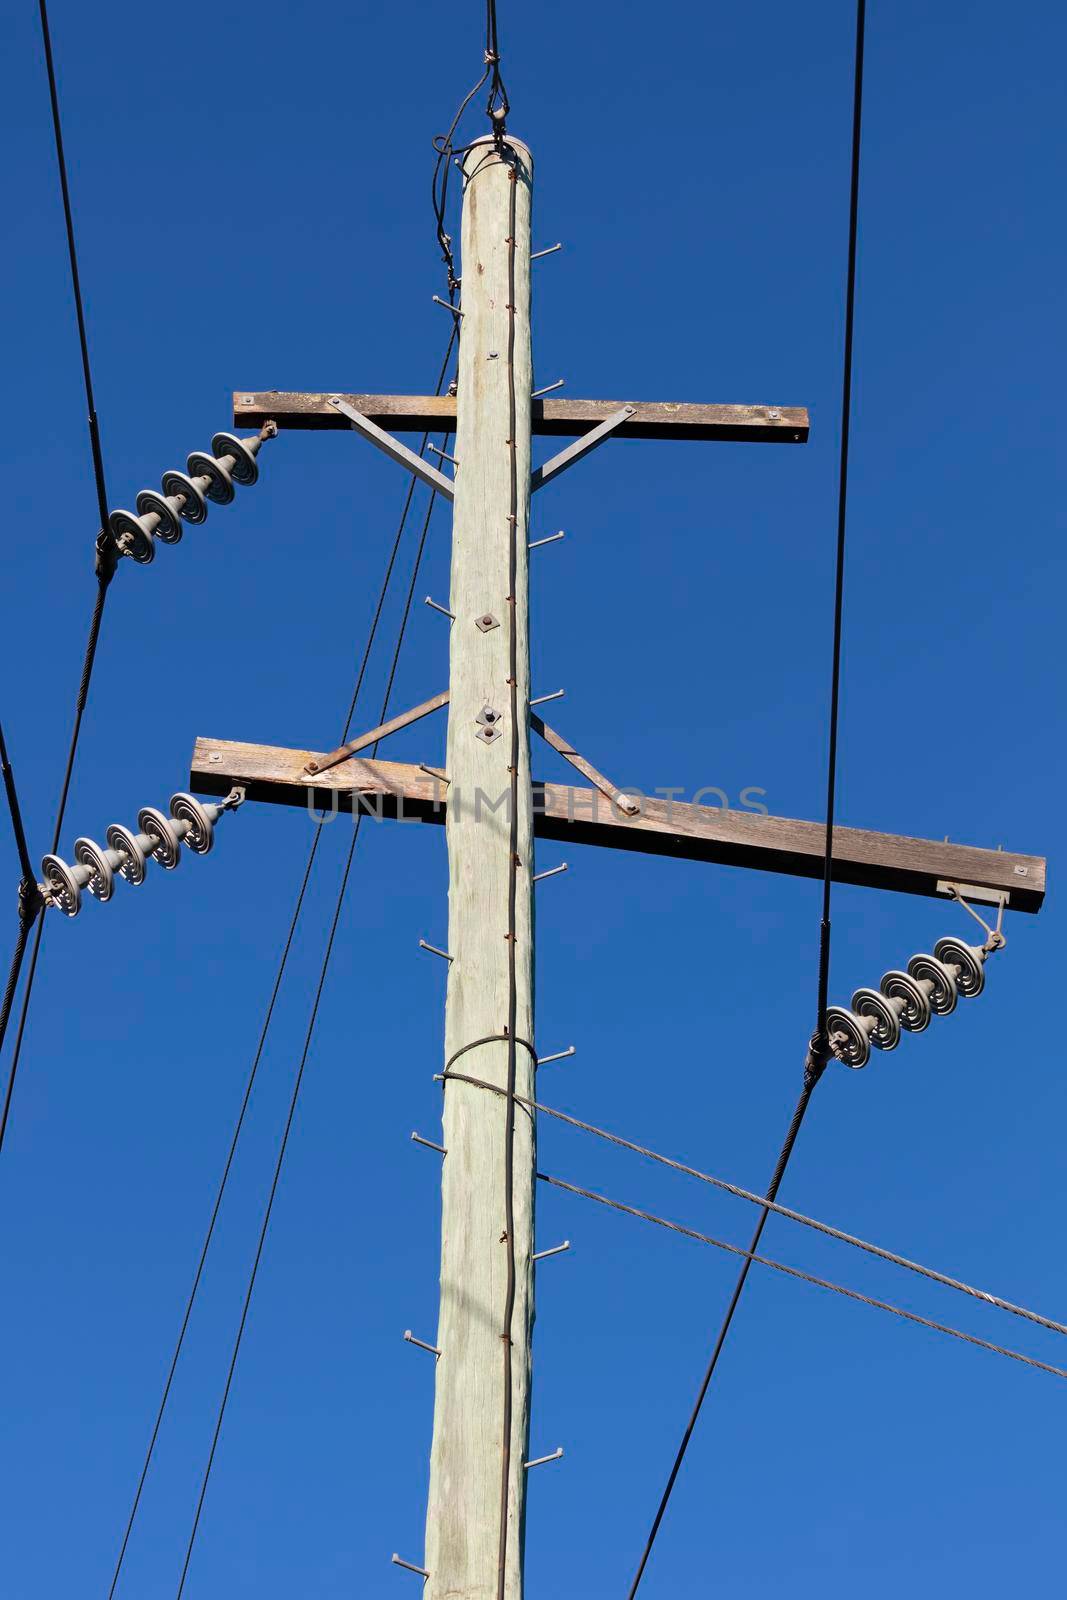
<point>170,527</point>
<point>168,851</point>
<point>872,1003</point>
<point>133,868</point>
<point>943,1000</point>
<point>134,538</point>
<point>245,469</point>
<point>102,882</point>
<point>220,484</point>
<point>195,507</point>
<point>201,835</point>
<point>902,986</point>
<point>63,884</point>
<point>855,1049</point>
<point>970,958</point>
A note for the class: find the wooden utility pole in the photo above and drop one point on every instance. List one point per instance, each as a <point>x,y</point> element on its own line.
<point>490,906</point>
<point>492,813</point>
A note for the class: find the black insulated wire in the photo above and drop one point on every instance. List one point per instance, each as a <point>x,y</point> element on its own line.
<point>279,974</point>
<point>298,1081</point>
<point>817,1053</point>
<point>105,564</point>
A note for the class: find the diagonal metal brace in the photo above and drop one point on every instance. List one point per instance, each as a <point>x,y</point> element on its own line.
<point>618,797</point>
<point>395,450</point>
<point>402,720</point>
<point>581,447</point>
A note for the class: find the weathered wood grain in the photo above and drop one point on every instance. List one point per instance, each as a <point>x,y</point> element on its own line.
<point>466,1455</point>
<point>663,827</point>
<point>412,413</point>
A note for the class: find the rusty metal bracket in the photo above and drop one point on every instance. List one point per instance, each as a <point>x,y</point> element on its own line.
<point>617,796</point>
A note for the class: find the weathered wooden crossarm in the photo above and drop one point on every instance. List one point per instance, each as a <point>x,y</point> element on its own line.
<point>414,413</point>
<point>663,827</point>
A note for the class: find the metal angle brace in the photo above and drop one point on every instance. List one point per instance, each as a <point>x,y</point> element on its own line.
<point>402,720</point>
<point>395,450</point>
<point>581,447</point>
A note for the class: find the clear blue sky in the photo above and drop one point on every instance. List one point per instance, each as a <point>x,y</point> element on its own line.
<point>252,194</point>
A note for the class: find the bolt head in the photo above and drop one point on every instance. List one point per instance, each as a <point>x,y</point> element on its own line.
<point>486,622</point>
<point>488,734</point>
<point>488,716</point>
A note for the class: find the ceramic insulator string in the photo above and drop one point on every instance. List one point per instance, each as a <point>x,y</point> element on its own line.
<point>159,838</point>
<point>930,987</point>
<point>185,495</point>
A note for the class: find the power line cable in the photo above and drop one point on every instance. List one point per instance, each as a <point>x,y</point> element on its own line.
<point>804,1277</point>
<point>105,564</point>
<point>498,105</point>
<point>29,894</point>
<point>304,1055</point>
<point>279,974</point>
<point>735,1189</point>
<point>497,110</point>
<point>818,1050</point>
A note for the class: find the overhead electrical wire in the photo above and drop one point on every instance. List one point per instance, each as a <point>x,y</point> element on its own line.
<point>497,109</point>
<point>105,564</point>
<point>300,1069</point>
<point>28,890</point>
<point>818,1050</point>
<point>805,1277</point>
<point>279,974</point>
<point>735,1189</point>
